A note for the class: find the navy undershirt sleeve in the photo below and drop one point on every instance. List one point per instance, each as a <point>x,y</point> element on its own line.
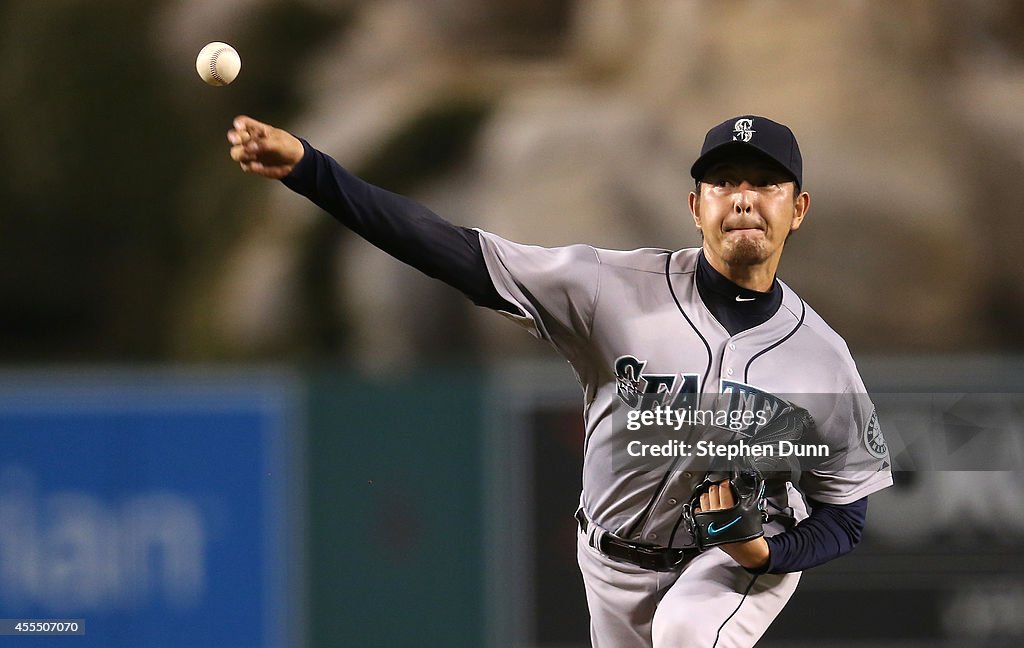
<point>830,531</point>
<point>398,225</point>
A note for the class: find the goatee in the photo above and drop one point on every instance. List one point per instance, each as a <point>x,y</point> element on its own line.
<point>745,252</point>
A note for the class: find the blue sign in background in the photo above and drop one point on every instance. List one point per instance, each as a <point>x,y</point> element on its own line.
<point>158,509</point>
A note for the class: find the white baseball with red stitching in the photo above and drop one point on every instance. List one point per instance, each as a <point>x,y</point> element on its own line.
<point>218,64</point>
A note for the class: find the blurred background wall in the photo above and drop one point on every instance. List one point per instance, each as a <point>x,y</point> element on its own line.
<point>129,239</point>
<point>129,235</point>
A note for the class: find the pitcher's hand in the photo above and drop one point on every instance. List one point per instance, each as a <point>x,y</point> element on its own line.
<point>262,149</point>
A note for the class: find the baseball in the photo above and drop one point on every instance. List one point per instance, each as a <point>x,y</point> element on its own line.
<point>218,64</point>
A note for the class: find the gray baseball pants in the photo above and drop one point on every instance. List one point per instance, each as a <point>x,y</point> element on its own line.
<point>711,603</point>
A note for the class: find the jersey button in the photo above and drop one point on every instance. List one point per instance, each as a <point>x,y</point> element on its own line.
<point>732,347</point>
<point>729,372</point>
<point>673,501</point>
<point>652,536</point>
<point>687,475</point>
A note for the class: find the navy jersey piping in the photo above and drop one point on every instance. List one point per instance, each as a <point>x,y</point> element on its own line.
<point>707,347</point>
<point>746,370</point>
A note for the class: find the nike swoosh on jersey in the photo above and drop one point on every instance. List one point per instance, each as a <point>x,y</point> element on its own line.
<point>713,531</point>
<point>738,298</point>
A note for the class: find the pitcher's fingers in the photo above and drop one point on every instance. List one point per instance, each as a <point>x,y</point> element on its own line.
<point>238,137</point>
<point>725,499</point>
<point>240,154</point>
<point>251,126</point>
<point>713,501</point>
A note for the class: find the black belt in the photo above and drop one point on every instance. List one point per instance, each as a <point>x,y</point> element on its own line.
<point>645,556</point>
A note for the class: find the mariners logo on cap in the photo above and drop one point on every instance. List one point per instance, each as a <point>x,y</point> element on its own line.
<point>743,130</point>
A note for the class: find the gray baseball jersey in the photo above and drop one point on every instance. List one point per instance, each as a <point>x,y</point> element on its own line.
<point>633,327</point>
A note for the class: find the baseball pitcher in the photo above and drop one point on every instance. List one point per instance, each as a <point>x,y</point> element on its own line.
<point>729,441</point>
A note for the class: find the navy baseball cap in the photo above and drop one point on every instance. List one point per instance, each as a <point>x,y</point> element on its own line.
<point>750,133</point>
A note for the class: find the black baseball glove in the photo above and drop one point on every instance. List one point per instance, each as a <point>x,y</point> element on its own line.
<point>741,522</point>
